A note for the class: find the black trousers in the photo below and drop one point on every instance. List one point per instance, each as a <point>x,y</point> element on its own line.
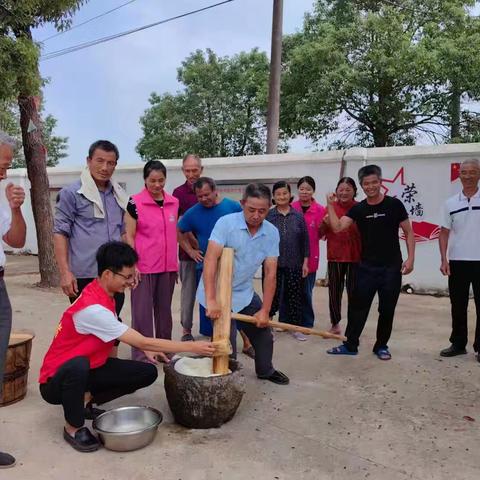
<point>339,275</point>
<point>372,279</point>
<point>462,275</point>
<point>288,295</point>
<point>112,380</point>
<point>261,339</point>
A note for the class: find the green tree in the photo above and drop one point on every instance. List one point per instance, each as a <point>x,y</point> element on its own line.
<point>20,80</point>
<point>379,73</point>
<point>56,146</point>
<point>469,130</point>
<point>221,110</point>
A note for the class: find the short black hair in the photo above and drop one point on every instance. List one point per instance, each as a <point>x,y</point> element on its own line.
<point>103,145</point>
<point>368,170</point>
<point>308,180</point>
<point>349,181</point>
<point>114,256</point>
<point>199,184</point>
<point>281,184</point>
<point>152,165</point>
<point>257,190</point>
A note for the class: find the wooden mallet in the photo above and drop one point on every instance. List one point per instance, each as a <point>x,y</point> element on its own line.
<point>221,326</point>
<point>222,348</point>
<point>288,326</point>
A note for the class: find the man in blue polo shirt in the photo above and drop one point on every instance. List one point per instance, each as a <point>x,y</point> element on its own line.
<point>199,220</point>
<point>255,241</point>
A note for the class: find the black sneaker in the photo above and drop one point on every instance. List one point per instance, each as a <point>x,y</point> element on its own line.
<point>83,441</point>
<point>91,412</point>
<point>188,337</point>
<point>6,460</point>
<point>452,351</point>
<point>277,377</point>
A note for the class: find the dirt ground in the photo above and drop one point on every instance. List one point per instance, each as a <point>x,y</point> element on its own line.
<point>414,417</point>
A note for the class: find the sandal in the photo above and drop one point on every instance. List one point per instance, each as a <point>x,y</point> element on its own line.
<point>249,352</point>
<point>383,354</point>
<point>341,350</point>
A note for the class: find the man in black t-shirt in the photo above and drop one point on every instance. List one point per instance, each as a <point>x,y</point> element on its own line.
<point>378,219</point>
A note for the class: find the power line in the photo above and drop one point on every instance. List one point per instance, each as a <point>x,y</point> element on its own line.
<point>81,46</point>
<point>88,21</point>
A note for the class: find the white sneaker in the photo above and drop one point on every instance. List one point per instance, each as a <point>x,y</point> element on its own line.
<point>299,336</point>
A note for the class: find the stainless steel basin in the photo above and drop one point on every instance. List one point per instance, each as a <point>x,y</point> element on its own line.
<point>127,428</point>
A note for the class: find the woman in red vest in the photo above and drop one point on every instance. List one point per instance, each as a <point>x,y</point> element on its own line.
<point>77,370</point>
<point>151,228</point>
<point>343,252</point>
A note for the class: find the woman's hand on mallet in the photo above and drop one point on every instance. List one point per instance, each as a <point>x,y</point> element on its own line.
<point>206,349</point>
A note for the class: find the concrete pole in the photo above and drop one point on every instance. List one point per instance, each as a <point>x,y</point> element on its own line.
<point>273,114</point>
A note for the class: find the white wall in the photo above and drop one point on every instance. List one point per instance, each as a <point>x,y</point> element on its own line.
<point>428,167</point>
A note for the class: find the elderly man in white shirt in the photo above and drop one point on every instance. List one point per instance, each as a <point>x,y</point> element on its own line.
<point>13,232</point>
<point>460,256</point>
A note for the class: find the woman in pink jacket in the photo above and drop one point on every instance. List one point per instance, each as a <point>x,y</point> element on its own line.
<point>151,228</point>
<point>313,213</point>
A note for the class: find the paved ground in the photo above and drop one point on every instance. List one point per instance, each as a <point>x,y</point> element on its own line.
<point>340,418</point>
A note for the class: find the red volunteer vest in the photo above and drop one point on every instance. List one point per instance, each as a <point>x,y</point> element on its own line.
<point>68,343</point>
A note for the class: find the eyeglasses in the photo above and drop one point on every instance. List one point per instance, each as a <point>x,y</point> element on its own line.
<point>129,278</point>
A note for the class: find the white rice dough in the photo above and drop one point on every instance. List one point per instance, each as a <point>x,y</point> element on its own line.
<point>195,367</point>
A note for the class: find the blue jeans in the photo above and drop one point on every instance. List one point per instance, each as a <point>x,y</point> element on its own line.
<point>308,316</point>
<point>205,323</point>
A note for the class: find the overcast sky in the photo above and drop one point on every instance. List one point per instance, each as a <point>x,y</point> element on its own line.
<point>101,92</point>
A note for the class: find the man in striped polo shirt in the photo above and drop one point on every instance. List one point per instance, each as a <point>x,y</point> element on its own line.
<point>460,256</point>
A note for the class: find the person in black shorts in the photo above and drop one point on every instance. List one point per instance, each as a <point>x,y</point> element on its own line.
<point>378,219</point>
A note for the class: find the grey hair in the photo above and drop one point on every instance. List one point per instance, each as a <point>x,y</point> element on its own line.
<point>7,140</point>
<point>471,161</point>
<point>194,156</point>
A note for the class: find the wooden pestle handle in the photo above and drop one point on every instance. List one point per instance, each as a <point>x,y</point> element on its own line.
<point>222,347</point>
<point>288,326</point>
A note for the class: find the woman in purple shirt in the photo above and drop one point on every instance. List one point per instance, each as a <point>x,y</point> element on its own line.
<point>293,259</point>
